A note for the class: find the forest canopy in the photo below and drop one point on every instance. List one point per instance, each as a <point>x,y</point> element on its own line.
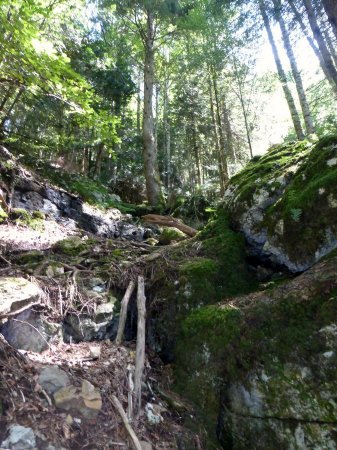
<point>173,96</point>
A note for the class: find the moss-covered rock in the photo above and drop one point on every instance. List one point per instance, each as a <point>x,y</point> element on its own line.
<point>286,202</point>
<point>171,234</point>
<point>195,274</point>
<point>72,246</point>
<point>34,220</point>
<point>271,358</point>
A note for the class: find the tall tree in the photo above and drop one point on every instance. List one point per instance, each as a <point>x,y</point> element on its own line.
<point>282,75</point>
<point>318,35</point>
<point>308,121</point>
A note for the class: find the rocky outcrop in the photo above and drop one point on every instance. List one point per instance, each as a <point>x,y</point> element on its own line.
<point>18,294</point>
<point>31,194</point>
<point>271,357</point>
<point>285,203</point>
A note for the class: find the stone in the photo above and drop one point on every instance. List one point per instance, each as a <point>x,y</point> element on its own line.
<point>86,401</point>
<point>146,445</point>
<point>20,438</point>
<point>29,331</point>
<point>17,294</point>
<point>171,234</point>
<point>105,311</point>
<point>153,414</point>
<point>95,352</point>
<point>52,378</point>
<point>103,325</point>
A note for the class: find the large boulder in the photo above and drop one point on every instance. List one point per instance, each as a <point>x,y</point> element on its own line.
<point>266,373</point>
<point>285,203</point>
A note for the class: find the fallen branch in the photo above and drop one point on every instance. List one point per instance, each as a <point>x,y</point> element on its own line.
<point>169,221</point>
<point>117,404</point>
<point>123,313</point>
<point>140,348</point>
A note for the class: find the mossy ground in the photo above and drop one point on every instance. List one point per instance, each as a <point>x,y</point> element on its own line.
<point>34,220</point>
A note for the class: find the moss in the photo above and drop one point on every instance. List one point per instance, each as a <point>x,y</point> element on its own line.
<point>309,204</point>
<point>170,234</point>
<point>38,215</point>
<point>30,258</point>
<point>200,354</point>
<point>220,345</point>
<point>25,218</point>
<point>3,214</point>
<point>72,246</point>
<point>257,174</point>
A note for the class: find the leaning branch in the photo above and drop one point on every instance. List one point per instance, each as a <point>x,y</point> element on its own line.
<point>117,404</point>
<point>123,313</point>
<point>169,221</point>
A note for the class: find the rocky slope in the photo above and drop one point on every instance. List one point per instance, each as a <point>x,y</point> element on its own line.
<point>244,313</point>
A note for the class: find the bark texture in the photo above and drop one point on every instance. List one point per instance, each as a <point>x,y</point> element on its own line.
<point>287,93</point>
<point>318,35</point>
<point>308,121</point>
<point>153,189</point>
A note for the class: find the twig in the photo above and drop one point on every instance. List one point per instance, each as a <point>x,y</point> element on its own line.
<point>131,387</point>
<point>123,313</point>
<point>140,348</point>
<point>47,397</point>
<point>5,260</point>
<point>117,404</point>
<point>38,331</point>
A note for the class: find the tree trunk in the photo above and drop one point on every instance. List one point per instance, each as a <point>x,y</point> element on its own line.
<point>308,121</point>
<point>10,109</point>
<point>5,99</point>
<point>331,46</point>
<point>167,133</point>
<point>222,141</point>
<point>139,102</point>
<point>196,152</point>
<point>229,133</point>
<point>330,7</point>
<point>244,111</point>
<point>151,170</point>
<point>98,162</point>
<point>312,44</point>
<point>217,143</point>
<point>320,41</point>
<point>282,76</point>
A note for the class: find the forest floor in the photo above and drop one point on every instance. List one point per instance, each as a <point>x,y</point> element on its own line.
<point>26,404</point>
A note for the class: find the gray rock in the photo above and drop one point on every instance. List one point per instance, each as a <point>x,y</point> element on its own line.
<point>53,378</point>
<point>146,445</point>
<point>20,438</point>
<point>17,294</point>
<point>86,401</point>
<point>77,328</point>
<point>28,331</point>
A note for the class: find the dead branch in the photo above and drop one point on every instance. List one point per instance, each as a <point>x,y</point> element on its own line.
<point>140,348</point>
<point>123,313</point>
<point>169,221</point>
<point>117,404</point>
